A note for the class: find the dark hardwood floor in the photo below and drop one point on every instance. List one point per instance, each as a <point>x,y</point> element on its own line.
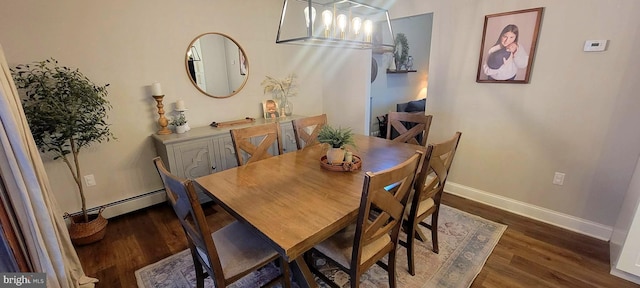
<point>529,254</point>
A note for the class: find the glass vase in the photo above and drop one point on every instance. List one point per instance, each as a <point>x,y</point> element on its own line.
<point>286,106</point>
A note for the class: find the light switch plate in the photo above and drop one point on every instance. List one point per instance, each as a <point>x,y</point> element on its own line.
<point>595,45</point>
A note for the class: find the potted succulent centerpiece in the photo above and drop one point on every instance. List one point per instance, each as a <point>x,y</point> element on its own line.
<point>337,139</point>
<point>66,113</point>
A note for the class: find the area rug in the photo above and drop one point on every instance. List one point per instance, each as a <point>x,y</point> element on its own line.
<point>465,241</point>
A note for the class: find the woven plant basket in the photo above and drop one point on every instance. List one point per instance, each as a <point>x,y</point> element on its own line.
<point>82,233</point>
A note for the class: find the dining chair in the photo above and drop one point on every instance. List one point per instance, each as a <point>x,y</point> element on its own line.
<point>375,233</point>
<point>306,130</point>
<point>428,189</point>
<point>227,254</point>
<point>408,127</point>
<point>267,134</point>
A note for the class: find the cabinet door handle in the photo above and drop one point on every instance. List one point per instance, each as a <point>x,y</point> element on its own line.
<point>213,167</point>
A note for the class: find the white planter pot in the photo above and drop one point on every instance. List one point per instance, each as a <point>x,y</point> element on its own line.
<point>181,129</point>
<point>335,155</point>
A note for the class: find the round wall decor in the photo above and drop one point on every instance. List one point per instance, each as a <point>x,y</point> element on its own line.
<point>374,69</point>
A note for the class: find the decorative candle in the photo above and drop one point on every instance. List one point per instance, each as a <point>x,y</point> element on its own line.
<point>156,90</point>
<point>180,105</point>
<point>348,157</point>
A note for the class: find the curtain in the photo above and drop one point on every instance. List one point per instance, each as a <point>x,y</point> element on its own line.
<point>40,222</point>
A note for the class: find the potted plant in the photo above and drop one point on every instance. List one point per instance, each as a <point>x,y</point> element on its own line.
<point>337,138</point>
<point>66,113</point>
<point>180,123</point>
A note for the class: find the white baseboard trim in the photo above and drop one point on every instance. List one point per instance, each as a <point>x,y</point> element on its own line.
<point>625,275</point>
<point>130,204</point>
<point>579,225</point>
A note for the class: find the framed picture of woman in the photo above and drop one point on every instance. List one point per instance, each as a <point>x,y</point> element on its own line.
<point>508,44</point>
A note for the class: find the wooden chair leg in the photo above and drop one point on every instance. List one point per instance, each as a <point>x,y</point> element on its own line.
<point>354,278</point>
<point>410,240</point>
<point>286,273</point>
<point>434,231</point>
<point>199,273</point>
<point>392,269</point>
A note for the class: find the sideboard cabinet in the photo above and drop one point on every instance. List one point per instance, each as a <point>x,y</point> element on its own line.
<point>205,150</point>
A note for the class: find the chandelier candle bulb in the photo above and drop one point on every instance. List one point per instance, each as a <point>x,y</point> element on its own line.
<point>368,29</point>
<point>342,24</point>
<point>327,19</point>
<point>156,89</point>
<point>180,105</point>
<point>357,23</point>
<point>313,15</point>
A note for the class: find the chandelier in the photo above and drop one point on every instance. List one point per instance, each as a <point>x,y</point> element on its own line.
<point>345,23</point>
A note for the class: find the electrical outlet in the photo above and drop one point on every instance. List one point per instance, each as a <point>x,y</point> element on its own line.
<point>558,178</point>
<point>90,180</point>
<point>595,45</point>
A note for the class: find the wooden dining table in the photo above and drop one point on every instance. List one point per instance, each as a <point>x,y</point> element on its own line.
<point>294,203</point>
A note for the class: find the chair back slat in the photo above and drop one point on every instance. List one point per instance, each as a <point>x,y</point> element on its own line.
<point>306,130</point>
<point>410,127</point>
<point>241,138</point>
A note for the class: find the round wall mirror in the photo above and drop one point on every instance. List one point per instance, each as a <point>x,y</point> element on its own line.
<point>217,65</point>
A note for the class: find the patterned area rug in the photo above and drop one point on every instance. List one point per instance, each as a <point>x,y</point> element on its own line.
<point>466,241</point>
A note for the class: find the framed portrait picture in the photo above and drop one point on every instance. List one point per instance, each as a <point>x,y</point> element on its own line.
<point>270,108</point>
<point>508,45</point>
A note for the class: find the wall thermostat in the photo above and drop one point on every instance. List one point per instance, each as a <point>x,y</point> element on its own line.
<point>595,45</point>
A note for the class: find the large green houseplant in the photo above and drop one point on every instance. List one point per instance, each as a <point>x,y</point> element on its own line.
<point>66,113</point>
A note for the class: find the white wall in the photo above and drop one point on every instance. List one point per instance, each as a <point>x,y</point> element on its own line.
<point>132,44</point>
<point>567,119</point>
<point>346,87</point>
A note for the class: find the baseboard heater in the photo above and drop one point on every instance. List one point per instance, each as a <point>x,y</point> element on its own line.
<point>128,205</point>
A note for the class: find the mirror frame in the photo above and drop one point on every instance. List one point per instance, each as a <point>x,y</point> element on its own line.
<point>186,65</point>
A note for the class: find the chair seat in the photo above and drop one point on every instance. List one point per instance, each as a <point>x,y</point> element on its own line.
<point>239,249</point>
<point>425,205</point>
<point>340,246</point>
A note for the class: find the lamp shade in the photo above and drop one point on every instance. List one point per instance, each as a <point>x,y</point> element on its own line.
<point>344,23</point>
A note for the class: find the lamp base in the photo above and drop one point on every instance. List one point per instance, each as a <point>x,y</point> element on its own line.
<point>162,121</point>
<point>164,131</point>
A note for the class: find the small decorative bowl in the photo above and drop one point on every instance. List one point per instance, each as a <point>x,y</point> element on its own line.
<point>356,164</point>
